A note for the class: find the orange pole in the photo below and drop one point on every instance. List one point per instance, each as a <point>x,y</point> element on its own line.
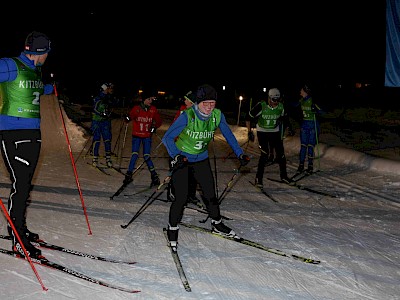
<point>23,247</point>
<point>73,163</point>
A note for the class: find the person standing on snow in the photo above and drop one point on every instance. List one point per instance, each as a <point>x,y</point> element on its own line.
<point>271,119</point>
<point>101,123</point>
<point>187,142</point>
<point>309,129</point>
<point>145,120</point>
<point>20,89</point>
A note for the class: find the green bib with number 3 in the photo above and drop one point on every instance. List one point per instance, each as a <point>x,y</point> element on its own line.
<point>197,134</point>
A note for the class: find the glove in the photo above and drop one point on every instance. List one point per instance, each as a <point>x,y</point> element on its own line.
<point>314,108</point>
<point>251,136</point>
<point>106,113</point>
<point>178,162</point>
<point>244,159</point>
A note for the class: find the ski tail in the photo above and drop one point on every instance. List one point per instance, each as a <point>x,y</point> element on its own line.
<point>55,266</point>
<point>178,264</point>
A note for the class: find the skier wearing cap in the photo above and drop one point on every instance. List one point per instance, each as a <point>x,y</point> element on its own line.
<point>20,89</point>
<point>103,104</point>
<point>187,142</point>
<point>145,120</point>
<point>270,116</point>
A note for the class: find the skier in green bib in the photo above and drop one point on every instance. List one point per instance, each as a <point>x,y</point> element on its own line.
<point>271,118</point>
<point>21,86</point>
<point>187,141</point>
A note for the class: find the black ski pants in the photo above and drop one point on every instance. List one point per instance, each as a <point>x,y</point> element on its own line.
<point>273,139</point>
<point>202,173</point>
<point>20,150</point>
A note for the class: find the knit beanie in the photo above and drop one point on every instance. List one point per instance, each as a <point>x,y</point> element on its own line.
<point>205,92</point>
<point>149,92</point>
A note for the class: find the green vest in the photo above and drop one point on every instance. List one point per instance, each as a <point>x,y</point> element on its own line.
<point>21,97</point>
<point>100,106</point>
<point>197,134</point>
<point>269,116</point>
<point>306,105</point>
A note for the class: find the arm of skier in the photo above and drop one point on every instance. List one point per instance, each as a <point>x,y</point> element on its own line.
<point>229,137</point>
<point>8,70</point>
<point>173,131</point>
<point>157,121</point>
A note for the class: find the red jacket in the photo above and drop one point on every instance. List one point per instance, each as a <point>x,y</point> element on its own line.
<point>178,113</point>
<point>143,119</point>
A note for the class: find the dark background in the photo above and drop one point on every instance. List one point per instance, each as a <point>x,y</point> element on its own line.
<point>247,46</point>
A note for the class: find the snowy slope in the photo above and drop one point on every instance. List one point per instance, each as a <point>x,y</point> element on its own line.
<point>355,235</point>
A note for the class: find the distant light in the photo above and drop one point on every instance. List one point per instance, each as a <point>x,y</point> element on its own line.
<point>223,88</point>
<point>240,98</point>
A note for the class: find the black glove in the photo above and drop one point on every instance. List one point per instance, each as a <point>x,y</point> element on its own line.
<point>251,136</point>
<point>106,113</point>
<point>244,159</point>
<point>178,162</point>
<point>314,108</point>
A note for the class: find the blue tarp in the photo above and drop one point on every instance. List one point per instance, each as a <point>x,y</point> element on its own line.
<point>392,67</point>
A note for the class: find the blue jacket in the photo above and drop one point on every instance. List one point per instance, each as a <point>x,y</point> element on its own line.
<point>9,72</point>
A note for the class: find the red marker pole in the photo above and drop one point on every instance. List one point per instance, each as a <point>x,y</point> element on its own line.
<point>73,161</point>
<point>22,245</point>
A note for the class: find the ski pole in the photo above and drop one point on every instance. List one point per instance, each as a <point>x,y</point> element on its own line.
<point>316,138</point>
<point>124,185</point>
<point>224,191</point>
<point>149,201</point>
<point>72,161</point>
<point>84,146</point>
<point>230,153</point>
<point>123,145</point>
<point>22,245</point>
<point>117,146</point>
<point>228,185</point>
<point>215,170</point>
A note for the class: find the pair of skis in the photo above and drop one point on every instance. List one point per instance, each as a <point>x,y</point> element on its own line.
<point>55,266</point>
<point>235,238</point>
<point>252,244</point>
<point>294,183</point>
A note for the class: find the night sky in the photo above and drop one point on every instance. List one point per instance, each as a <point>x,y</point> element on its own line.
<point>179,46</point>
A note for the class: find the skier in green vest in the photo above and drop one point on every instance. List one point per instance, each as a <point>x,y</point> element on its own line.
<point>271,119</point>
<point>20,89</point>
<point>187,141</point>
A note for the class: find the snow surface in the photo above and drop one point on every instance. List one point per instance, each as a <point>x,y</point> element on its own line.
<point>355,236</point>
